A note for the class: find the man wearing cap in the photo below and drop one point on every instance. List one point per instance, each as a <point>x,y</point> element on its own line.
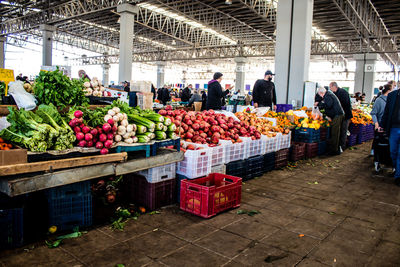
<point>215,93</point>
<point>264,94</point>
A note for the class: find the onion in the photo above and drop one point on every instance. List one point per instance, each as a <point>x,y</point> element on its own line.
<point>111,112</point>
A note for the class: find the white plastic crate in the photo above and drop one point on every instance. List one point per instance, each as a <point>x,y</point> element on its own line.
<point>285,140</point>
<point>254,147</point>
<point>219,169</point>
<point>161,173</point>
<point>218,153</point>
<point>233,151</point>
<point>197,163</point>
<point>272,144</point>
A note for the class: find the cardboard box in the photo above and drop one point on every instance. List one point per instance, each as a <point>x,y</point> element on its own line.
<point>13,156</point>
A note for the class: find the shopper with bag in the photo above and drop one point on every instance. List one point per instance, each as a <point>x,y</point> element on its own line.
<point>344,99</point>
<point>264,94</point>
<point>334,111</point>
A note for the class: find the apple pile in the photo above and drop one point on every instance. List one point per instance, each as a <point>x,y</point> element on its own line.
<point>208,127</point>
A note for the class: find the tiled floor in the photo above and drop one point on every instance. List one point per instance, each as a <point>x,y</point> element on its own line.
<point>350,217</point>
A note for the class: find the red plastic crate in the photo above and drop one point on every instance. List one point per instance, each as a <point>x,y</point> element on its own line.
<point>281,158</point>
<point>210,195</point>
<point>150,195</point>
<point>298,151</point>
<point>311,150</point>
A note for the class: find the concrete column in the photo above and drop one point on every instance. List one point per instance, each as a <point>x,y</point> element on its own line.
<point>365,74</point>
<point>127,14</point>
<point>240,73</point>
<point>47,48</point>
<point>3,41</point>
<point>106,74</point>
<point>160,73</point>
<point>292,49</point>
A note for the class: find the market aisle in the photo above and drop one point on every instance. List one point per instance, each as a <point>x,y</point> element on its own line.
<point>325,210</point>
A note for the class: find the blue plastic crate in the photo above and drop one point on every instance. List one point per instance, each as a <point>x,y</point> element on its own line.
<point>325,133</point>
<point>307,135</point>
<point>70,206</point>
<point>12,228</point>
<point>352,140</point>
<point>283,107</point>
<point>321,148</point>
<point>269,162</point>
<point>354,128</point>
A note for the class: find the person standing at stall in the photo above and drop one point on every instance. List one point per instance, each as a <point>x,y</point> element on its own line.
<point>203,100</point>
<point>264,94</point>
<point>334,111</point>
<point>186,93</point>
<point>344,99</point>
<point>215,93</point>
<point>166,95</point>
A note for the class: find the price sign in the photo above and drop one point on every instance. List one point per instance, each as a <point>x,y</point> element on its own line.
<point>6,76</point>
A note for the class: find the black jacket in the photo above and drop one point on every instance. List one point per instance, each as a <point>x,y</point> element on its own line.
<point>185,95</point>
<point>215,95</point>
<point>387,117</point>
<point>159,93</point>
<point>165,96</point>
<point>331,104</point>
<point>204,101</point>
<point>264,93</point>
<point>153,91</point>
<point>344,99</point>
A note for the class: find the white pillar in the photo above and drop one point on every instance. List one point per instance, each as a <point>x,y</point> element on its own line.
<point>3,41</point>
<point>47,48</point>
<point>240,73</point>
<point>127,14</point>
<point>364,79</point>
<point>160,73</point>
<point>106,74</point>
<point>292,49</point>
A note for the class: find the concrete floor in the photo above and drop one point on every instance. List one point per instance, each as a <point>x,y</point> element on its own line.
<point>349,218</point>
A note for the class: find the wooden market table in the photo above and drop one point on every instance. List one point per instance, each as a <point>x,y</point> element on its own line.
<point>47,177</point>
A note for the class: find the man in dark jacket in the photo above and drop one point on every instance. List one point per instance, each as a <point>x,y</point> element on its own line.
<point>264,94</point>
<point>344,99</point>
<point>215,93</point>
<point>203,100</point>
<point>391,124</point>
<point>186,93</point>
<point>334,111</point>
<point>165,95</point>
<point>159,93</point>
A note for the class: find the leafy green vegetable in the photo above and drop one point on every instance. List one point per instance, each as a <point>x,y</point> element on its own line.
<point>56,88</point>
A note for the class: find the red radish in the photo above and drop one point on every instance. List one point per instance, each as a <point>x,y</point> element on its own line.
<point>94,132</point>
<point>111,122</point>
<point>168,107</point>
<point>88,137</point>
<point>114,128</point>
<point>79,121</point>
<point>110,136</point>
<point>80,136</point>
<point>99,145</point>
<point>162,112</point>
<point>106,127</point>
<point>104,151</point>
<point>77,129</point>
<point>102,138</point>
<point>108,143</point>
<point>89,143</point>
<point>85,129</point>
<point>78,114</point>
<point>82,143</point>
<point>170,113</point>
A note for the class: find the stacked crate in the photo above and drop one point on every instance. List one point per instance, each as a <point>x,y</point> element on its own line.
<point>281,158</point>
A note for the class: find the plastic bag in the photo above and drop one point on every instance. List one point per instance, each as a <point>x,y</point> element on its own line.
<point>22,98</point>
<point>260,111</point>
<point>316,114</point>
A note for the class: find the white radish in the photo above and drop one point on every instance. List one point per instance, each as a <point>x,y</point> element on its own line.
<point>95,84</point>
<point>124,122</point>
<point>115,118</point>
<point>129,128</point>
<point>125,116</point>
<point>111,112</point>
<point>120,115</point>
<point>126,136</point>
<point>101,88</point>
<point>129,141</point>
<point>107,117</point>
<point>135,139</point>
<point>117,138</point>
<point>133,133</point>
<point>116,109</point>
<point>134,127</point>
<point>121,130</point>
<point>86,84</point>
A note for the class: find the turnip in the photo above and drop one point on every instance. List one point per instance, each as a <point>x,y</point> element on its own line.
<point>116,109</point>
<point>121,130</point>
<point>129,128</point>
<point>103,138</point>
<point>104,94</point>
<point>107,118</point>
<point>78,114</point>
<point>106,127</point>
<point>85,129</point>
<point>99,145</point>
<point>115,118</point>
<point>77,129</point>
<point>120,116</point>
<point>117,138</point>
<point>125,116</point>
<point>124,122</point>
<point>132,134</point>
<point>82,143</point>
<point>108,143</point>
<point>135,139</point>
<point>110,136</point>
<point>111,112</point>
<point>88,137</point>
<point>104,151</point>
<point>128,141</point>
<point>126,136</point>
<point>94,132</point>
<point>86,84</point>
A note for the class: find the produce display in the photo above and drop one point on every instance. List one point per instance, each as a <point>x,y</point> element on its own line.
<point>208,127</point>
<point>4,145</point>
<point>262,125</point>
<point>361,117</point>
<point>288,120</point>
<point>53,87</point>
<point>38,131</point>
<point>95,88</point>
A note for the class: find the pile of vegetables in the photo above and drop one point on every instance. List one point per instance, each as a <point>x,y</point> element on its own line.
<point>95,88</point>
<point>40,131</point>
<point>208,127</point>
<point>125,132</point>
<point>4,145</point>
<point>53,87</point>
